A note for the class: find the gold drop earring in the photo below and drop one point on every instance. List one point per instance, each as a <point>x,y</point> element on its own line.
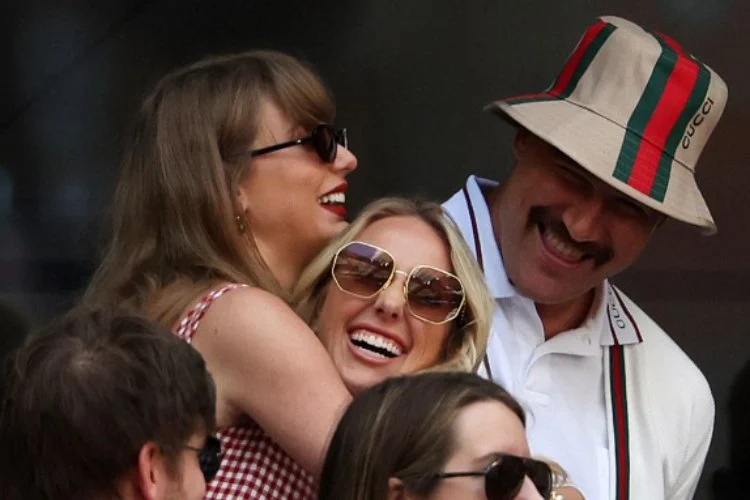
<point>240,223</point>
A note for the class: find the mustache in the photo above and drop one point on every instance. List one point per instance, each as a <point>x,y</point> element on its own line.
<point>600,254</point>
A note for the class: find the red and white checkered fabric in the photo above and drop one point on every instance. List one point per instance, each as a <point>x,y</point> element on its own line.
<point>253,465</point>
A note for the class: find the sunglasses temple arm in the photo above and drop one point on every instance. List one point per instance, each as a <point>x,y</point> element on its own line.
<point>460,474</point>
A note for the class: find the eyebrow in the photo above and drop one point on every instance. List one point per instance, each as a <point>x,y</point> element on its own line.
<point>566,161</point>
<point>293,131</point>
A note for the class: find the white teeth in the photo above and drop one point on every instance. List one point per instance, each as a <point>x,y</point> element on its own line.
<point>375,340</point>
<point>558,245</point>
<point>339,198</point>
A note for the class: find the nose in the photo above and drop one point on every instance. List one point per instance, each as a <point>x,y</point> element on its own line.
<point>584,218</point>
<point>391,301</point>
<point>528,491</point>
<point>345,160</point>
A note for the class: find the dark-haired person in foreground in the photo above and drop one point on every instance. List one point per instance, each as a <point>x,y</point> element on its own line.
<point>102,406</point>
<point>440,435</point>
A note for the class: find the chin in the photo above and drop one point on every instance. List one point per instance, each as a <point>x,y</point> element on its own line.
<point>361,384</point>
<point>329,231</point>
<point>543,291</point>
<point>337,227</point>
<point>354,388</point>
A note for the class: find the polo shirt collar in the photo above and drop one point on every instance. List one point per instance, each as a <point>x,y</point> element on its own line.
<point>469,210</point>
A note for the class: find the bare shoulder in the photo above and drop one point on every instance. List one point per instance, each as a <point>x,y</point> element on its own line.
<point>248,314</point>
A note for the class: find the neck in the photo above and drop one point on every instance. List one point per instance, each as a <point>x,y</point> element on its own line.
<point>557,318</point>
<point>284,263</point>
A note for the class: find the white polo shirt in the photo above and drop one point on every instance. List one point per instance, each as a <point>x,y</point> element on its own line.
<point>558,382</point>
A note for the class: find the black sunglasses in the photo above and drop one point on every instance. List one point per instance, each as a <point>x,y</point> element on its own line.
<point>504,477</point>
<point>209,457</point>
<point>323,138</point>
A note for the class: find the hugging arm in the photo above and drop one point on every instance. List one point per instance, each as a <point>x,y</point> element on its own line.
<point>268,364</point>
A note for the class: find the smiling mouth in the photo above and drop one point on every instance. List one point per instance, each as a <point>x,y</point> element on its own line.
<point>335,200</point>
<point>558,242</point>
<point>375,345</point>
<point>561,248</point>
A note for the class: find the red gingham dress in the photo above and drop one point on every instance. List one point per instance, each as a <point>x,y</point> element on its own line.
<point>253,465</point>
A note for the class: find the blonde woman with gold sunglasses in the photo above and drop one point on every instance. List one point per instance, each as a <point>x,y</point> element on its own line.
<point>396,293</point>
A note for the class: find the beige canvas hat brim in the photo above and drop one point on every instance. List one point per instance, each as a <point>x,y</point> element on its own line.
<point>594,141</point>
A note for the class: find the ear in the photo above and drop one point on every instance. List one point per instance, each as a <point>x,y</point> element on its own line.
<point>151,472</point>
<point>240,199</point>
<point>397,490</point>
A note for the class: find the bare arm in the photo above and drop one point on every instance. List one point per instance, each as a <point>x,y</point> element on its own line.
<point>268,364</point>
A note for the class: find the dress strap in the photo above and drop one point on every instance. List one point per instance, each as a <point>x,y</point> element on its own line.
<point>189,323</point>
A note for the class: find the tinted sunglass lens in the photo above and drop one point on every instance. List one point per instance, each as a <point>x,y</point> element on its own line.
<point>341,138</point>
<point>209,459</point>
<point>361,269</point>
<point>541,475</point>
<point>324,142</point>
<point>434,295</point>
<point>504,479</point>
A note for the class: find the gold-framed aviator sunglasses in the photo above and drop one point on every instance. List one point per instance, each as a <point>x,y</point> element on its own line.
<point>364,270</point>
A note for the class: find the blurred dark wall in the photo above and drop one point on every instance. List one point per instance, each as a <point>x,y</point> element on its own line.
<point>410,79</point>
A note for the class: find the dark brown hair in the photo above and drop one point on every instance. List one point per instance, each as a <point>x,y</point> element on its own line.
<point>81,397</point>
<point>403,428</point>
<point>174,216</point>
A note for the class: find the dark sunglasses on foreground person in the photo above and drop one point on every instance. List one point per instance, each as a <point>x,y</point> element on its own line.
<point>504,477</point>
<point>209,457</point>
<point>324,139</point>
<point>364,270</point>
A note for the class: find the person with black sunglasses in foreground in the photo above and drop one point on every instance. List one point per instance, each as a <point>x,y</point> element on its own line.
<point>102,405</point>
<point>440,435</point>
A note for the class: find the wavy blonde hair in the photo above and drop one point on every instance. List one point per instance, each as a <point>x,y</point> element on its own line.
<point>174,217</point>
<point>468,338</point>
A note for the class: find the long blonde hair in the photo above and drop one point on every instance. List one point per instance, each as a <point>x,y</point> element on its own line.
<point>468,339</point>
<point>175,215</point>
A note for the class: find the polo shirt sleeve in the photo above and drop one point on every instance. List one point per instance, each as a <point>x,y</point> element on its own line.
<point>697,442</point>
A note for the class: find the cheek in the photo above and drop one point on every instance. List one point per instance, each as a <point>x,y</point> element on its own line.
<point>337,311</point>
<point>429,344</point>
<point>193,484</point>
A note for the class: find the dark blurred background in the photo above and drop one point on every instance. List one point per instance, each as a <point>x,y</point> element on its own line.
<point>410,79</point>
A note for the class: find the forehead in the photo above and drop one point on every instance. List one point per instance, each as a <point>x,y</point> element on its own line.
<point>488,427</point>
<point>410,240</point>
<point>273,124</point>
